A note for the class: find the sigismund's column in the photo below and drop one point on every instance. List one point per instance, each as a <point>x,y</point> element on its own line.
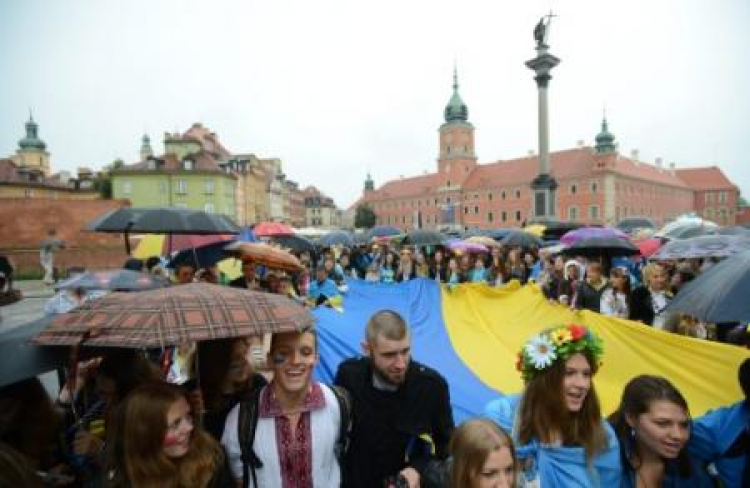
<point>544,185</point>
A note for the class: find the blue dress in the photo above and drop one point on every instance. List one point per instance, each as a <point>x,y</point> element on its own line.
<point>558,466</point>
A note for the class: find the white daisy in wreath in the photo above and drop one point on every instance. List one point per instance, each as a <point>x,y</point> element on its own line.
<point>541,351</point>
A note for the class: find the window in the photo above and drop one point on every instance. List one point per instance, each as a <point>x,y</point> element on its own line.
<point>723,197</point>
<point>181,187</point>
<point>709,197</point>
<point>476,196</point>
<point>489,217</point>
<point>188,164</point>
<point>448,183</point>
<point>573,213</point>
<point>476,209</point>
<point>489,196</point>
<point>151,164</point>
<point>209,187</point>
<point>573,189</point>
<point>466,210</point>
<point>502,195</point>
<point>504,216</point>
<point>162,187</point>
<point>518,215</point>
<point>209,208</point>
<point>127,188</point>
<point>709,212</point>
<point>518,193</point>
<point>594,211</point>
<point>448,200</point>
<point>594,187</point>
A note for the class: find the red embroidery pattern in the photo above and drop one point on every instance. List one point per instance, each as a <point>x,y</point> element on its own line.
<point>294,449</point>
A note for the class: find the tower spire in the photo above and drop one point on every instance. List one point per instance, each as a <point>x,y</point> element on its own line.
<point>456,110</point>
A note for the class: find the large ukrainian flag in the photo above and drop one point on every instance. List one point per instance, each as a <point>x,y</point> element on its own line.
<point>472,334</point>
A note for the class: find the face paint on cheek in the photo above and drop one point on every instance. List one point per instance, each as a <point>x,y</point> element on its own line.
<point>278,358</point>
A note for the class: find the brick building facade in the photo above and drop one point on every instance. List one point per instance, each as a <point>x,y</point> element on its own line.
<point>597,185</point>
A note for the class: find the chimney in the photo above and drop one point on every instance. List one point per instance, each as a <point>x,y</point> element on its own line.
<point>581,143</point>
<point>635,154</point>
<point>531,153</point>
<point>659,162</point>
<point>672,168</point>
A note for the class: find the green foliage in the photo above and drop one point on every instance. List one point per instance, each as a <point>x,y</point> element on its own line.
<point>364,217</point>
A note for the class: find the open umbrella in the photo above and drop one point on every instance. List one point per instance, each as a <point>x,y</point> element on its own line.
<point>295,243</point>
<point>483,240</point>
<point>114,279</point>
<point>685,228</point>
<point>716,246</point>
<point>648,247</point>
<point>734,231</point>
<point>522,239</point>
<point>200,257</point>
<point>264,254</point>
<point>719,294</point>
<point>576,235</point>
<point>163,244</point>
<point>336,238</point>
<point>475,232</point>
<point>267,229</point>
<point>161,220</point>
<point>171,316</point>
<point>424,238</point>
<point>22,360</point>
<point>382,231</point>
<point>462,247</point>
<point>602,246</point>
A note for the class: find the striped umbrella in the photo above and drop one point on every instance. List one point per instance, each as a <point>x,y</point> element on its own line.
<point>175,315</point>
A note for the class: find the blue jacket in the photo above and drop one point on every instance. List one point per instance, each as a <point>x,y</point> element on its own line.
<point>559,466</point>
<point>714,433</point>
<point>327,288</point>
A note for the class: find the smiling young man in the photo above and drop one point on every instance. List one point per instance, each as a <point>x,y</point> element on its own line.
<point>287,435</point>
<point>402,412</point>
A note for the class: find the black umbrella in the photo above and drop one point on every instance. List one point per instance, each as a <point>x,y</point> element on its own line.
<point>424,238</point>
<point>200,257</point>
<point>113,279</point>
<point>23,360</point>
<point>336,237</point>
<point>383,231</point>
<point>602,246</point>
<point>476,232</point>
<point>522,239</point>
<point>719,294</point>
<point>162,220</point>
<point>295,243</point>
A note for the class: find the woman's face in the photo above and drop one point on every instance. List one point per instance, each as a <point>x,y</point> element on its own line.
<point>576,382</point>
<point>453,264</point>
<point>659,279</point>
<point>179,427</point>
<point>497,472</point>
<point>663,430</point>
<point>438,256</point>
<point>559,264</point>
<point>529,258</point>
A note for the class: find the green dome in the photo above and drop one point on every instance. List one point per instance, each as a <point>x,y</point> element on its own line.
<point>605,140</point>
<point>32,141</point>
<point>456,110</point>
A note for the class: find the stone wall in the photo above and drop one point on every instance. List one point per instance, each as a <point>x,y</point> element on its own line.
<point>24,224</point>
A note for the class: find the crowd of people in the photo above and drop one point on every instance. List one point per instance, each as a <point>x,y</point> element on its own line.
<point>227,419</point>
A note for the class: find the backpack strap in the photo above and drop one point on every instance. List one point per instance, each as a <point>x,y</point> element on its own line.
<point>345,427</point>
<point>246,426</point>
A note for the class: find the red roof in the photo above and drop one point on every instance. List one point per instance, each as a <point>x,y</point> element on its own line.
<point>406,187</point>
<point>710,178</point>
<point>208,140</point>
<point>169,163</point>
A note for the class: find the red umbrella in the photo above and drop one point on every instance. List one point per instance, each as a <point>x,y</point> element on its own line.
<point>267,229</point>
<point>175,315</point>
<point>647,247</point>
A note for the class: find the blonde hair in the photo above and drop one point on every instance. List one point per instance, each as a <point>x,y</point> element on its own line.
<point>650,270</point>
<point>471,444</point>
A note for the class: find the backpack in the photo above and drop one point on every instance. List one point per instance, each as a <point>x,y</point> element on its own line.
<point>247,424</point>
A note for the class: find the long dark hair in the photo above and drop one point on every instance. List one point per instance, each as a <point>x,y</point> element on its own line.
<point>543,413</point>
<point>214,360</point>
<point>637,398</point>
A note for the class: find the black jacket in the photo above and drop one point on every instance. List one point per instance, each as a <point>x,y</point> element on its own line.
<point>589,297</point>
<point>388,424</point>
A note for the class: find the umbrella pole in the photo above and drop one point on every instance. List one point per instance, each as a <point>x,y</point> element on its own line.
<point>127,243</point>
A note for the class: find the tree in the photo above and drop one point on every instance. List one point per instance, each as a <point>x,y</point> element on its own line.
<point>742,202</point>
<point>364,217</point>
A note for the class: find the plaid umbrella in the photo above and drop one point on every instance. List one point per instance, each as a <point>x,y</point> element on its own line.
<point>114,279</point>
<point>261,253</point>
<point>267,229</point>
<point>175,315</point>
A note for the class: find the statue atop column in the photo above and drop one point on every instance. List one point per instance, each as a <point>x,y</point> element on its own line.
<point>541,30</point>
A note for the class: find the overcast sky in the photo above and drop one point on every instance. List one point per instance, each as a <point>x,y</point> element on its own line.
<point>337,88</point>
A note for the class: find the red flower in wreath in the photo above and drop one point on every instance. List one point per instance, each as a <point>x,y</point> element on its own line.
<point>577,331</point>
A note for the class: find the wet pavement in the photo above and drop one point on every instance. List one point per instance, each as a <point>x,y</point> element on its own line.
<point>31,307</point>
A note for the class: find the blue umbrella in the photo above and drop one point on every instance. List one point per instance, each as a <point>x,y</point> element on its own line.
<point>383,231</point>
<point>336,237</point>
<point>719,294</point>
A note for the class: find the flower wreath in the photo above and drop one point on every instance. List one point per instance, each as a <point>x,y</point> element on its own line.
<point>557,343</point>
